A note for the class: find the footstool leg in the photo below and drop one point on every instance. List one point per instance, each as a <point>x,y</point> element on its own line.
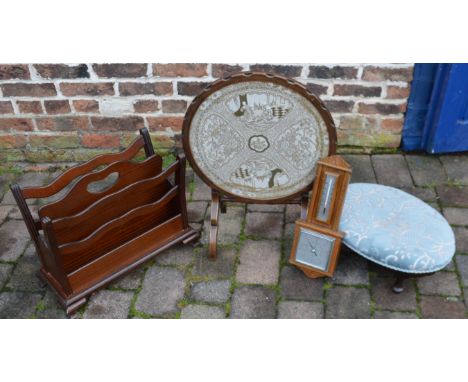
<point>398,285</point>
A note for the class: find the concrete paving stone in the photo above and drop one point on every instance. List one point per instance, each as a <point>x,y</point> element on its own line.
<point>253,302</point>
<point>440,283</point>
<point>456,167</point>
<point>25,180</point>
<point>363,171</point>
<point>180,254</point>
<point>426,194</point>
<point>300,310</point>
<point>453,196</point>
<point>222,267</point>
<point>215,292</point>
<point>50,301</point>
<point>16,214</point>
<point>385,314</point>
<point>162,289</point>
<point>24,277</point>
<point>130,281</point>
<point>196,211</point>
<point>450,266</point>
<point>14,238</point>
<point>229,226</point>
<point>347,302</point>
<point>264,225</point>
<point>52,314</point>
<point>385,298</point>
<point>4,212</point>
<point>265,208</point>
<point>435,206</point>
<point>295,285</point>
<point>109,304</point>
<point>351,270</point>
<point>5,272</point>
<point>456,216</point>
<point>293,213</point>
<point>462,265</point>
<point>18,304</point>
<point>441,307</point>
<point>461,239</point>
<point>259,262</point>
<point>288,239</point>
<point>201,191</point>
<point>392,170</point>
<point>426,170</point>
<point>465,293</point>
<point>202,312</point>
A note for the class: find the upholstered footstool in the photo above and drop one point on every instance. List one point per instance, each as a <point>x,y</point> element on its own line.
<point>396,230</point>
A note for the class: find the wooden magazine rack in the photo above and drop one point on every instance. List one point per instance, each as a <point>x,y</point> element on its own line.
<point>87,239</point>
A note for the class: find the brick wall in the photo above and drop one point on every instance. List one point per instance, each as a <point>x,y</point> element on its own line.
<point>60,113</point>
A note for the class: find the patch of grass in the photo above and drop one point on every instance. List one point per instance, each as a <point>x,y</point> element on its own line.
<point>168,159</point>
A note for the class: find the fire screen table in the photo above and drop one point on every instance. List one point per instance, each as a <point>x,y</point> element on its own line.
<point>256,138</point>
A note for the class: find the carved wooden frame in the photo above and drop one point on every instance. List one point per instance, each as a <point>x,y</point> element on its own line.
<point>218,196</point>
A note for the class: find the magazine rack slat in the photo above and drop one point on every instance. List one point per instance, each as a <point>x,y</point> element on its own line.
<point>90,237</point>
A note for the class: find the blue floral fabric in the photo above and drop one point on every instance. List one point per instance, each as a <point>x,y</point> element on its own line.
<point>395,229</point>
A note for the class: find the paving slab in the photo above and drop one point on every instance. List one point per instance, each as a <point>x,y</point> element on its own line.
<point>51,314</point>
<point>426,194</point>
<point>453,196</point>
<point>253,302</point>
<point>297,286</point>
<point>440,283</point>
<point>462,265</point>
<point>392,170</point>
<point>162,289</point>
<point>259,262</point>
<point>202,312</point>
<point>109,304</point>
<point>215,292</point>
<point>229,226</point>
<point>300,310</point>
<point>385,299</point>
<point>201,191</point>
<point>461,239</point>
<point>363,171</point>
<point>5,272</point>
<point>456,216</point>
<point>18,304</point>
<point>351,270</point>
<point>14,238</point>
<point>266,208</point>
<point>293,213</point>
<point>26,180</point>
<point>441,307</point>
<point>24,277</point>
<point>426,170</point>
<point>180,254</point>
<point>196,211</point>
<point>264,225</point>
<point>456,167</point>
<point>222,267</point>
<point>131,280</point>
<point>4,212</point>
<point>385,314</point>
<point>347,302</point>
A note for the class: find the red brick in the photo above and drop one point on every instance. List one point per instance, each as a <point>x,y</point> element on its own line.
<point>52,71</point>
<point>380,108</point>
<point>180,70</point>
<point>28,90</point>
<point>120,70</point>
<point>14,72</point>
<point>223,70</point>
<point>339,106</point>
<point>86,106</point>
<point>100,141</point>
<point>6,107</point>
<point>317,89</point>
<point>163,123</point>
<point>22,124</point>
<point>146,106</point>
<point>374,73</point>
<point>117,124</point>
<point>358,122</point>
<point>283,70</point>
<point>12,141</point>
<point>392,125</point>
<point>62,141</point>
<point>57,107</point>
<point>191,88</point>
<point>63,123</point>
<point>174,106</point>
<point>397,92</point>
<point>141,88</point>
<point>326,72</point>
<point>30,107</point>
<point>70,89</point>
<point>357,90</point>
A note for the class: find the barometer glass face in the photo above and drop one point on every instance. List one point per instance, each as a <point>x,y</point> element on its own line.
<point>258,140</point>
<point>326,197</point>
<point>314,249</point>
